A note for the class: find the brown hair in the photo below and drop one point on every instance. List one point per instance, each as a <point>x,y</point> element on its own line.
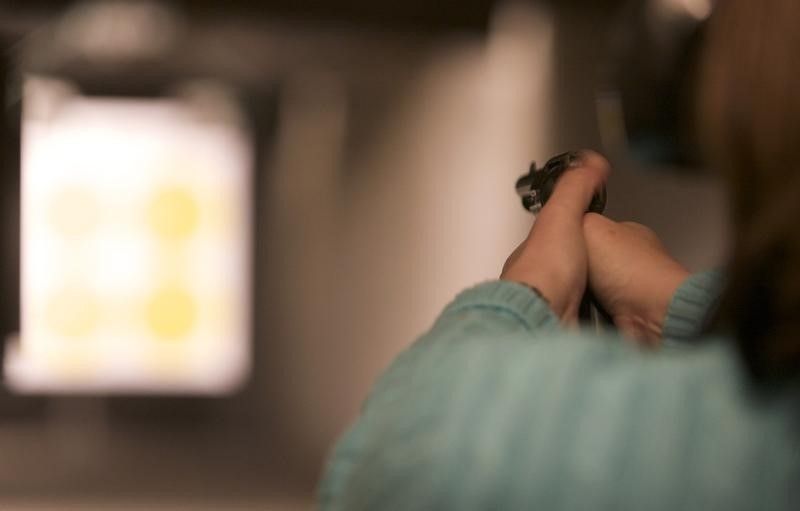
<point>749,108</point>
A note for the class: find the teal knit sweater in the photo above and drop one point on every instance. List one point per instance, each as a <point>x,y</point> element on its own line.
<point>499,408</point>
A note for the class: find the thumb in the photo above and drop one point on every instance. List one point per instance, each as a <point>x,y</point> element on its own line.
<point>576,187</point>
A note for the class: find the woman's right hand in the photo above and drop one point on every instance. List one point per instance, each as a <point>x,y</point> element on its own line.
<point>631,275</point>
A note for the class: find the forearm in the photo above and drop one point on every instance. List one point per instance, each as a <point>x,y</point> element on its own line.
<point>482,314</point>
<point>421,395</point>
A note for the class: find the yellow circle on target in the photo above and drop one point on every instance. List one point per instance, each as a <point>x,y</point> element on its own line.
<point>171,313</point>
<point>173,213</point>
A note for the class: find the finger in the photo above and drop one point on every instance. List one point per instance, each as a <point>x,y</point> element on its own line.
<point>565,209</point>
<point>575,188</point>
<point>602,228</point>
<point>601,231</point>
<point>644,232</point>
<point>595,223</point>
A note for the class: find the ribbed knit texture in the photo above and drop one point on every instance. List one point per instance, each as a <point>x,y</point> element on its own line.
<point>693,306</point>
<point>499,408</point>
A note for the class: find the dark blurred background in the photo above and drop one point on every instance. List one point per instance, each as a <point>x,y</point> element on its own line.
<point>387,138</point>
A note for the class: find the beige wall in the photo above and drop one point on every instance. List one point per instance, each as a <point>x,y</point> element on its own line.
<point>373,236</point>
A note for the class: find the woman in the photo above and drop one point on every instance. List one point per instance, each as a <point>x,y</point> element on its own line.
<point>505,405</point>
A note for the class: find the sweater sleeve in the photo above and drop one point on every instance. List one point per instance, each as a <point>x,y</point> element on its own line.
<point>411,397</point>
<point>693,306</point>
<point>498,407</point>
<point>492,304</point>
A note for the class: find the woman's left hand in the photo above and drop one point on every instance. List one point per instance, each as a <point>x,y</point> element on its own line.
<point>553,257</point>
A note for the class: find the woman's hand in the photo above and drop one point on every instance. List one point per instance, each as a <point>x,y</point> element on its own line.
<point>553,258</point>
<point>631,275</point>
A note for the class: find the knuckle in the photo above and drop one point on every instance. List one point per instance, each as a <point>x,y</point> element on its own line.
<point>640,229</point>
<point>592,221</point>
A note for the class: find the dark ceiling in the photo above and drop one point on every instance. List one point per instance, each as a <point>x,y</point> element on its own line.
<point>428,15</point>
<point>433,14</point>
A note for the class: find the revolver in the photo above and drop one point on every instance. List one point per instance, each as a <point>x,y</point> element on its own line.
<point>536,187</point>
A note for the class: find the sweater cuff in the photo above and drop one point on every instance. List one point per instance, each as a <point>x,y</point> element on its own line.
<point>512,298</point>
<point>693,305</point>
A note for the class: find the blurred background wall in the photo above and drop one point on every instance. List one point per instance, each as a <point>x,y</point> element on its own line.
<point>385,187</point>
